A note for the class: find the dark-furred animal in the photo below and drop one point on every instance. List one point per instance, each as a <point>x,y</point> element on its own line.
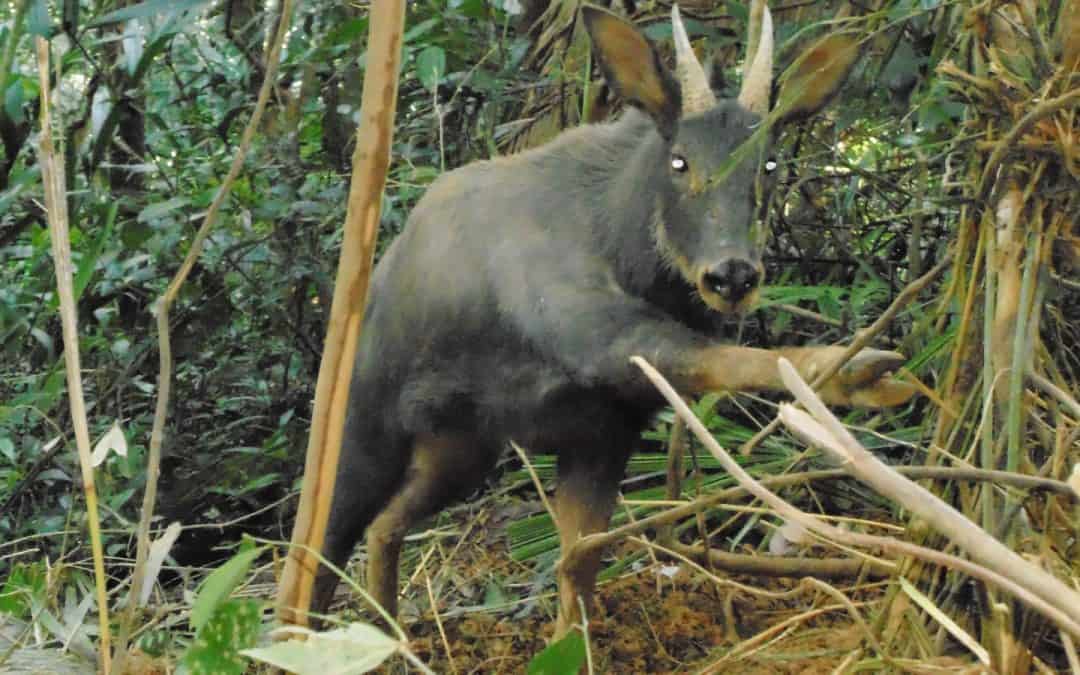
<point>510,305</point>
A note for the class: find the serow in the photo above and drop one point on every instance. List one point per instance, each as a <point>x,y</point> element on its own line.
<point>510,305</point>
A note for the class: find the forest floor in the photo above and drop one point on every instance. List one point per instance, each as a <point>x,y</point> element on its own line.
<point>662,616</point>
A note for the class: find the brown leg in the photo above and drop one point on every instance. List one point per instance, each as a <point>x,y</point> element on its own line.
<point>863,382</point>
<point>584,500</point>
<point>441,469</point>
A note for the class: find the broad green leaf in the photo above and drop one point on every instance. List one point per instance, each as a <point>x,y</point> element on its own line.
<point>494,595</point>
<point>356,648</point>
<point>564,657</point>
<point>37,19</point>
<point>158,209</point>
<point>13,101</point>
<point>25,583</point>
<point>420,29</point>
<point>216,649</point>
<point>221,582</point>
<point>348,33</point>
<point>431,66</point>
<point>7,448</point>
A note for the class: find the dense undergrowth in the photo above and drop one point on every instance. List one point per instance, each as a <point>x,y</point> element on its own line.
<point>954,136</point>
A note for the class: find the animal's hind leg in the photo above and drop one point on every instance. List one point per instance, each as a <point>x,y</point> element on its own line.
<point>584,500</point>
<point>370,470</point>
<point>442,468</point>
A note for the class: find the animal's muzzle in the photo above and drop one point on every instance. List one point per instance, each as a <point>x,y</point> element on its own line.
<point>732,279</point>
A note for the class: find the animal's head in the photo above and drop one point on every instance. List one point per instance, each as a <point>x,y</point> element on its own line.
<point>705,215</point>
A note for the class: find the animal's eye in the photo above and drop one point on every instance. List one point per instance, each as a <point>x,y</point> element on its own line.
<point>770,165</point>
<point>678,163</point>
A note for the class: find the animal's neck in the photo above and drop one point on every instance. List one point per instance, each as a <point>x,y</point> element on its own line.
<point>629,202</point>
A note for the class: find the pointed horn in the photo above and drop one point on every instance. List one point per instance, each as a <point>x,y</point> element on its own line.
<point>753,35</point>
<point>697,97</point>
<point>758,81</point>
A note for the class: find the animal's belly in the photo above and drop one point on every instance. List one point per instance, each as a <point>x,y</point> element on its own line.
<point>531,403</point>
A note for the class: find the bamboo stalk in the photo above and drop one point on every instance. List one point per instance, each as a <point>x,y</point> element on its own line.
<point>370,161</point>
<point>52,172</point>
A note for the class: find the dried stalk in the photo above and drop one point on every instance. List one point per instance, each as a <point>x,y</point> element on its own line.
<point>1044,109</point>
<point>370,161</point>
<point>52,173</point>
<point>603,539</point>
<point>827,432</point>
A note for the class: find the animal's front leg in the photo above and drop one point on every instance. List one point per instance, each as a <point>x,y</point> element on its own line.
<point>584,499</point>
<point>866,381</point>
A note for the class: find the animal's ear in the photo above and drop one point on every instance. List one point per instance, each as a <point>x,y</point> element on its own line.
<point>817,75</point>
<point>633,68</point>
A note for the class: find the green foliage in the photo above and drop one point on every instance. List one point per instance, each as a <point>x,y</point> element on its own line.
<point>865,198</point>
<point>221,582</point>
<point>564,657</point>
<point>233,627</point>
<point>23,589</point>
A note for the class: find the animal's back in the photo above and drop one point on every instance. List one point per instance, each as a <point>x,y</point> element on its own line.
<point>440,347</point>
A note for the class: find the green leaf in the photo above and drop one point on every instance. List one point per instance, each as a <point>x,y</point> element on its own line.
<point>420,29</point>
<point>13,102</point>
<point>37,19</point>
<point>431,66</point>
<point>22,590</point>
<point>348,33</point>
<point>564,657</point>
<point>148,8</point>
<point>494,595</point>
<point>356,648</point>
<point>221,582</point>
<point>157,210</point>
<point>216,649</point>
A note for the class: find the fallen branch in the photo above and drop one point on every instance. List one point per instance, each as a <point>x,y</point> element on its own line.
<point>782,566</point>
<point>655,521</point>
<point>1062,609</point>
<point>827,432</point>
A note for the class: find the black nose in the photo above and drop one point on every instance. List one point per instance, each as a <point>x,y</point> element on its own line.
<point>732,279</point>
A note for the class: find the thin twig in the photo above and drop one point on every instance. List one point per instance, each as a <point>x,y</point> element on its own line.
<point>438,623</point>
<point>157,434</point>
<point>807,314</point>
<point>536,481</point>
